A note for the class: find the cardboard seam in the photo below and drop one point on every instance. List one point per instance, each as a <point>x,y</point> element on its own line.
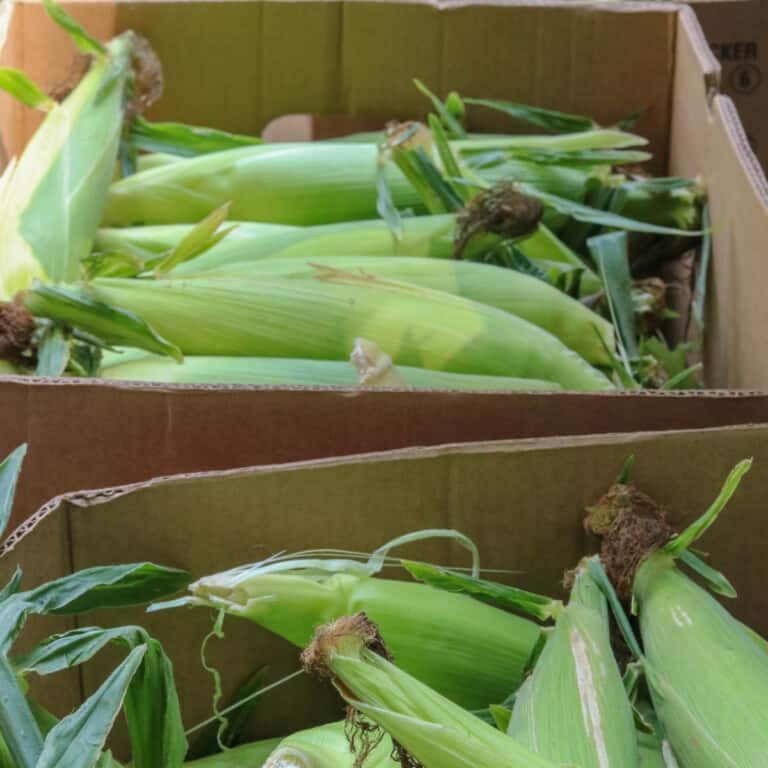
<point>87,499</point>
<point>707,59</point>
<point>150,387</point>
<point>738,136</point>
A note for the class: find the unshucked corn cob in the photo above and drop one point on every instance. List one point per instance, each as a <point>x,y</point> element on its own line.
<point>322,317</point>
<point>473,653</point>
<point>325,747</point>
<point>52,197</point>
<point>309,183</point>
<point>707,675</point>
<point>577,326</point>
<point>136,365</point>
<point>574,709</point>
<point>422,236</point>
<point>423,724</point>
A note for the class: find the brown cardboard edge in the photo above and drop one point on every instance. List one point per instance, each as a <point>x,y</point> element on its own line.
<point>87,498</point>
<point>161,387</point>
<point>738,136</point>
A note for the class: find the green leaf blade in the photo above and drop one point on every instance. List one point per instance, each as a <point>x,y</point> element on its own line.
<point>113,326</point>
<point>10,469</point>
<point>20,86</point>
<point>501,595</point>
<point>549,119</point>
<point>82,39</point>
<point>78,739</point>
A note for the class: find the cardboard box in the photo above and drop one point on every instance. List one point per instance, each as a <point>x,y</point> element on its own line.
<point>521,501</point>
<point>242,65</point>
<point>97,434</point>
<point>737,31</point>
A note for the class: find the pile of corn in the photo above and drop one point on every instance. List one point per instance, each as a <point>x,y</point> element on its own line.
<point>437,672</point>
<point>445,670</point>
<point>424,256</point>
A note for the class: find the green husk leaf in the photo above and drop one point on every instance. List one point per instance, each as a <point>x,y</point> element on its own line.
<point>53,352</point>
<point>597,572</point>
<point>625,474</point>
<point>501,716</point>
<point>549,119</point>
<point>78,739</point>
<point>714,579</point>
<point>611,255</point>
<point>452,125</point>
<point>112,264</point>
<point>676,546</point>
<point>501,595</point>
<point>10,468</point>
<point>602,218</point>
<point>448,159</point>
<point>203,236</point>
<point>84,41</point>
<point>114,326</point>
<point>20,86</point>
<point>185,140</point>
<point>681,380</point>
<point>385,205</point>
<point>705,254</point>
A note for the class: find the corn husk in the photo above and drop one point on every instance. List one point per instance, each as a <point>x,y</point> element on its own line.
<point>312,183</point>
<point>278,183</point>
<point>475,661</point>
<point>422,236</point>
<point>574,709</point>
<point>52,197</point>
<point>325,747</point>
<point>322,317</point>
<point>136,365</point>
<point>577,326</point>
<point>432,729</point>
<point>707,675</point>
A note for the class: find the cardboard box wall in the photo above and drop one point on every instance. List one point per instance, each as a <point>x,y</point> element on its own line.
<point>737,31</point>
<point>521,501</point>
<point>241,65</point>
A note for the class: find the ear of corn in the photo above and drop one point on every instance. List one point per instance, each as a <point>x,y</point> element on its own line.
<point>310,183</point>
<point>283,184</point>
<point>244,238</point>
<point>422,236</point>
<point>252,755</point>
<point>321,318</point>
<point>52,198</point>
<point>574,709</point>
<point>324,747</point>
<point>476,661</point>
<point>434,731</point>
<point>136,365</point>
<point>532,299</point>
<point>707,675</point>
